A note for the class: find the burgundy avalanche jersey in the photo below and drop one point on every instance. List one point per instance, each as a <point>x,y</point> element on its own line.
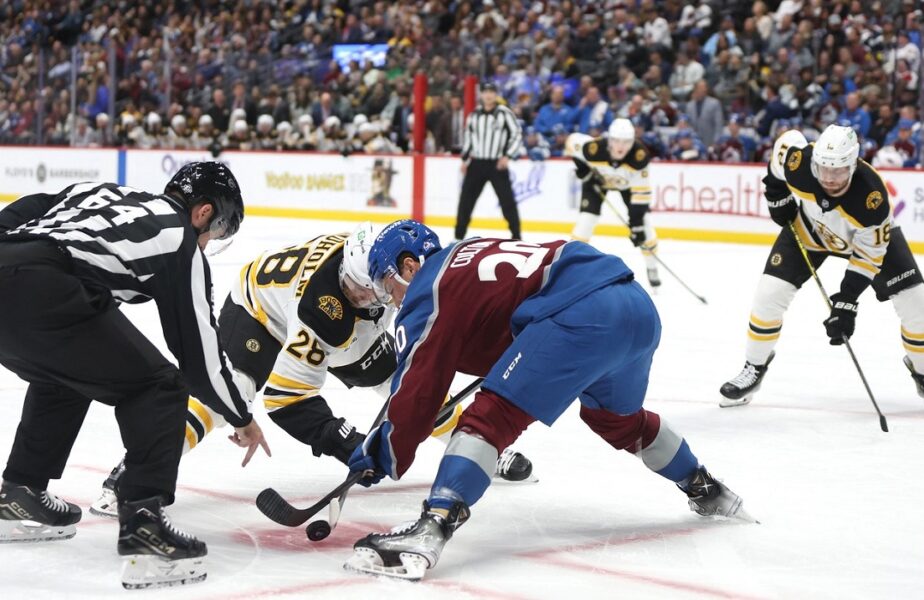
<point>462,311</point>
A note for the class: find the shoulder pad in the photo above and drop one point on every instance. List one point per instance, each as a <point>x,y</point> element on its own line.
<point>871,206</point>
<point>596,150</point>
<point>638,156</point>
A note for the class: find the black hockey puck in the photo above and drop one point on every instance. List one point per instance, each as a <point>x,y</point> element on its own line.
<point>318,530</point>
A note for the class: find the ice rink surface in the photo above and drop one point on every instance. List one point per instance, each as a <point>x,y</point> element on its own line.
<point>841,503</point>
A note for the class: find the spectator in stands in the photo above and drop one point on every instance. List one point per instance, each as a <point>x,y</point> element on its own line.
<point>734,146</point>
<point>593,115</point>
<point>438,124</point>
<point>400,128</point>
<point>687,148</point>
<point>535,147</point>
<point>705,113</point>
<point>556,112</point>
<point>456,123</point>
<point>854,113</point>
<point>220,111</point>
<point>686,73</point>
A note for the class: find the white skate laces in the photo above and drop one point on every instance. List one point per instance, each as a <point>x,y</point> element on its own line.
<point>52,502</point>
<point>747,377</point>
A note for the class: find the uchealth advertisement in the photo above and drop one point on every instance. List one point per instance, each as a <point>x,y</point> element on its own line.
<point>696,197</point>
<point>290,184</point>
<point>49,170</point>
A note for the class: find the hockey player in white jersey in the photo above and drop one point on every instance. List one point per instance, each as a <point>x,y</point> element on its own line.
<point>839,206</point>
<point>294,316</point>
<point>617,162</point>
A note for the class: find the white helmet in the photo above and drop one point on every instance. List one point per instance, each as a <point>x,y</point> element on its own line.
<point>355,280</point>
<point>265,122</point>
<point>152,119</point>
<point>836,147</point>
<point>791,138</point>
<point>621,129</point>
<point>178,121</point>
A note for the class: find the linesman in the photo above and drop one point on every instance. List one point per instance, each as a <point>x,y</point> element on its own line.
<point>492,138</point>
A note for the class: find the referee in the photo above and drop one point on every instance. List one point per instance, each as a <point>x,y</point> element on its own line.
<point>492,138</point>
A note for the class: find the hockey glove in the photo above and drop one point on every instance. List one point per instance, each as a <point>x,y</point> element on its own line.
<point>373,456</point>
<point>840,325</point>
<point>783,211</point>
<point>637,224</point>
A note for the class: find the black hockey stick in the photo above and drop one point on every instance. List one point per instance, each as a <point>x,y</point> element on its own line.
<point>278,509</point>
<point>653,255</point>
<point>882,420</point>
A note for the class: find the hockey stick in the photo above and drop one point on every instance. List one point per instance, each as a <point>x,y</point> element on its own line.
<point>653,255</point>
<point>278,509</point>
<point>882,420</point>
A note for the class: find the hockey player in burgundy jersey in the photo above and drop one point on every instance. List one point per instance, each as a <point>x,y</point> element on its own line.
<point>543,324</point>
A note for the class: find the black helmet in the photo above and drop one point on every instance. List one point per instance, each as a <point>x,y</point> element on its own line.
<point>214,183</point>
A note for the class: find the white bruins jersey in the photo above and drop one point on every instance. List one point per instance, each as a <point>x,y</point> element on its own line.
<point>856,225</point>
<point>630,173</point>
<point>295,293</point>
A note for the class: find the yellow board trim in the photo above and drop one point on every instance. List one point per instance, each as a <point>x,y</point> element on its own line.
<point>201,412</point>
<point>670,233</point>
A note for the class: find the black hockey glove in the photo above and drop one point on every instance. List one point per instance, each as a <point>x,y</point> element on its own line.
<point>637,224</point>
<point>840,325</point>
<point>784,211</point>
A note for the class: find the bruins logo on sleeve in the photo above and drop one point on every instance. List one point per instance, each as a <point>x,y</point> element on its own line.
<point>592,148</point>
<point>873,200</point>
<point>795,159</point>
<point>640,155</point>
<point>331,307</point>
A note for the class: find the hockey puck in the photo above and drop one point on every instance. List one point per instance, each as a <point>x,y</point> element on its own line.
<point>318,530</point>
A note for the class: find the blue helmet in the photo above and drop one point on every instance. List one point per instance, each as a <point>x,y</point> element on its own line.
<point>405,236</point>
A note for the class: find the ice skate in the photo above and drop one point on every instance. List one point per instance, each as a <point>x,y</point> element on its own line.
<point>155,553</point>
<point>654,279</point>
<point>409,550</point>
<point>107,505</point>
<point>514,467</point>
<point>28,514</point>
<point>710,497</point>
<point>918,377</point>
<point>740,390</point>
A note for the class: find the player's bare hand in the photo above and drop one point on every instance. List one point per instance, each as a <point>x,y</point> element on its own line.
<point>251,437</point>
<point>464,167</point>
<point>502,163</point>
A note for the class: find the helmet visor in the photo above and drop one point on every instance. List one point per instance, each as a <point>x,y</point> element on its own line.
<point>222,228</point>
<point>359,295</point>
<point>833,178</point>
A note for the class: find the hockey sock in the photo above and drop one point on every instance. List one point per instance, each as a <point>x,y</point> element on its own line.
<point>771,300</point>
<point>647,436</point>
<point>465,471</point>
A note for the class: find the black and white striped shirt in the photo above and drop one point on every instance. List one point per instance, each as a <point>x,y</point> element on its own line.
<point>491,134</point>
<point>140,247</point>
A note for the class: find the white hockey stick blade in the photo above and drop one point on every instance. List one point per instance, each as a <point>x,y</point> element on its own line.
<point>12,532</point>
<point>333,511</point>
<point>143,571</point>
<point>367,561</point>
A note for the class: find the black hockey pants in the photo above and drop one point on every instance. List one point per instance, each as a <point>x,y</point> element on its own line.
<point>73,345</point>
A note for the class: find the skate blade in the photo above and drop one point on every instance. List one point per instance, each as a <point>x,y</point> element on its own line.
<point>730,403</point>
<point>146,571</point>
<point>736,513</point>
<point>15,532</point>
<point>368,562</point>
